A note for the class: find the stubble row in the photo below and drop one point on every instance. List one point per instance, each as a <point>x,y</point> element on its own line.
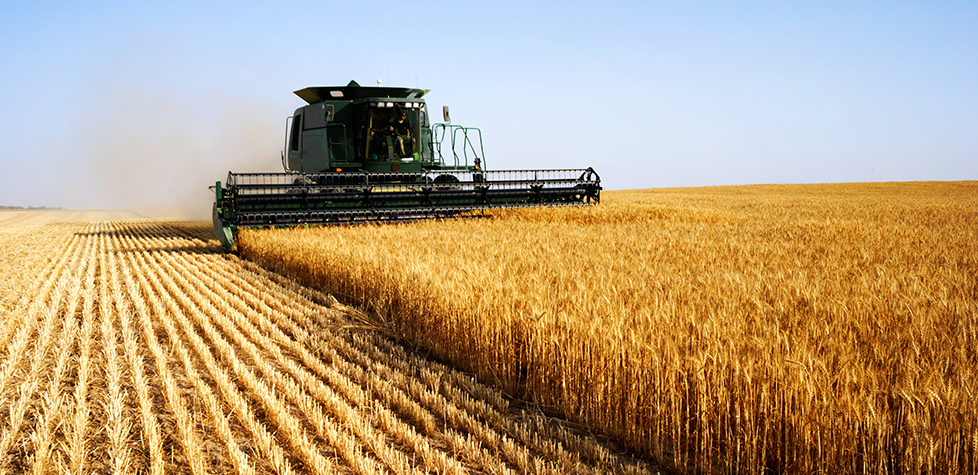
<point>141,348</point>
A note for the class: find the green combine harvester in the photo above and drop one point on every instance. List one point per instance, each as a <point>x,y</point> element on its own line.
<point>369,154</point>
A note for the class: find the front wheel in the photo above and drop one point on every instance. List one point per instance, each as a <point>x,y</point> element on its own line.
<point>447,182</point>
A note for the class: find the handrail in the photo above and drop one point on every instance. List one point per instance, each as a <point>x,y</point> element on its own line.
<point>466,142</point>
<point>285,146</point>
<point>436,141</point>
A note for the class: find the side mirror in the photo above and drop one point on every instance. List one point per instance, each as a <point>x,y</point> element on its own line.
<point>444,113</point>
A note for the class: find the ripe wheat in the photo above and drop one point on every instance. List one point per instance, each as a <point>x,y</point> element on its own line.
<point>802,329</point>
<point>140,347</point>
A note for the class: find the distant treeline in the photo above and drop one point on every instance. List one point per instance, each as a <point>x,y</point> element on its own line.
<point>29,207</point>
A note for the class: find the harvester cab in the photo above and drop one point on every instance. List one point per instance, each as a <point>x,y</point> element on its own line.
<point>359,129</point>
<point>370,154</point>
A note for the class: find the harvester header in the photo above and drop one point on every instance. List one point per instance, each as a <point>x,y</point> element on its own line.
<point>370,154</point>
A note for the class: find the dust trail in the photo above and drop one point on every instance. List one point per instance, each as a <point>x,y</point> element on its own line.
<point>157,154</point>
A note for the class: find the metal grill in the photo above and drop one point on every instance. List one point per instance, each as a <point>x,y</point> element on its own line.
<point>285,199</point>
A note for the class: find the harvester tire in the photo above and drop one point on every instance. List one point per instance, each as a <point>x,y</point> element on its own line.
<point>448,180</point>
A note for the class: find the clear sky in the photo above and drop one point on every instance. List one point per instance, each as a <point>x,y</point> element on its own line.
<point>115,104</point>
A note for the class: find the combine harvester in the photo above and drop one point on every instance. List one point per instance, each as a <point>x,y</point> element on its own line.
<point>369,154</point>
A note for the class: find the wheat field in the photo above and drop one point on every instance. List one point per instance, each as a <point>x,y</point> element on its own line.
<point>140,347</point>
<point>751,329</point>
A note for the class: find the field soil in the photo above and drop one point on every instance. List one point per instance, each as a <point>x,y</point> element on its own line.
<point>138,346</point>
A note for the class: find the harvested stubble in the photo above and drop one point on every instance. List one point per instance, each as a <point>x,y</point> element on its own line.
<point>139,347</point>
<point>794,329</point>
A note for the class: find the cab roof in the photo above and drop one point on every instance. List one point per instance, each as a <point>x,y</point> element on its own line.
<point>354,91</point>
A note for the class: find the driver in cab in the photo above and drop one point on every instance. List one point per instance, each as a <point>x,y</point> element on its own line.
<point>401,130</point>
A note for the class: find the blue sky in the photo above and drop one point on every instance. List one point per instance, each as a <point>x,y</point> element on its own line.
<point>109,104</point>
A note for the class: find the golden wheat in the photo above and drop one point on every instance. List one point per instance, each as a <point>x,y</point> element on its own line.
<point>139,347</point>
<point>135,362</point>
<point>801,329</point>
<point>188,438</point>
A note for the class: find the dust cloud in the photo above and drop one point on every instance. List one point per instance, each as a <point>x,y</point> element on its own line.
<point>158,155</point>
